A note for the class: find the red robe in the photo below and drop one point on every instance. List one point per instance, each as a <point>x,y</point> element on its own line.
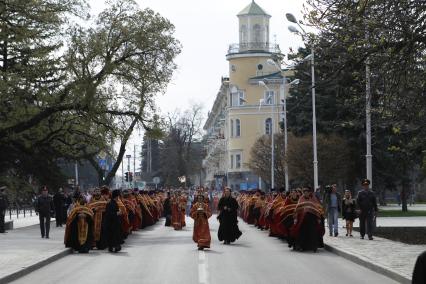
<point>176,214</point>
<point>182,201</point>
<point>274,217</point>
<point>304,206</point>
<point>200,212</point>
<point>98,207</point>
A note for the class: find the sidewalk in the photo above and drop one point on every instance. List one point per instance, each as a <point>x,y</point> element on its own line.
<point>23,250</point>
<point>414,207</point>
<point>22,222</point>
<point>393,259</point>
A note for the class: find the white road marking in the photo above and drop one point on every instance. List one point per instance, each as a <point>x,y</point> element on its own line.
<point>203,276</point>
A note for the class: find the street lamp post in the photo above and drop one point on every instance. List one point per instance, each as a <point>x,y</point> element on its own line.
<point>282,94</point>
<point>292,18</point>
<point>262,83</point>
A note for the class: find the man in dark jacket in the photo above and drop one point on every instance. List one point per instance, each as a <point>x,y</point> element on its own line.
<point>44,208</point>
<point>332,205</point>
<point>4,203</point>
<point>59,202</point>
<point>367,204</point>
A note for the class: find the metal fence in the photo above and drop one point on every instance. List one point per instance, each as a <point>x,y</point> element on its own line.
<point>254,46</point>
<point>20,212</point>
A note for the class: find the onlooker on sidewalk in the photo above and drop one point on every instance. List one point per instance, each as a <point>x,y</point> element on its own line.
<point>44,208</point>
<point>367,204</point>
<point>332,202</point>
<point>67,204</point>
<point>349,211</point>
<point>59,201</point>
<point>318,194</point>
<point>419,273</point>
<point>4,203</point>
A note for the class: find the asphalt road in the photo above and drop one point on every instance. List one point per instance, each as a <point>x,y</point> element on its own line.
<point>161,255</point>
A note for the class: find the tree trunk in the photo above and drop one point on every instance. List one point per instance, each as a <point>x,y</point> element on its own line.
<point>404,192</point>
<point>111,174</point>
<point>382,196</point>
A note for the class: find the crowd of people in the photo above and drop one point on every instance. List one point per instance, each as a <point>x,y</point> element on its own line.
<point>104,218</point>
<point>200,209</point>
<point>109,217</point>
<point>299,215</point>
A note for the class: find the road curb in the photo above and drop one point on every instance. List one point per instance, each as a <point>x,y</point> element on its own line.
<point>26,270</point>
<point>372,266</point>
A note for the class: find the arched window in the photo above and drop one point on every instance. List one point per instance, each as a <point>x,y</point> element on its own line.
<point>231,128</point>
<point>243,34</point>
<point>237,128</point>
<point>268,126</point>
<point>257,32</point>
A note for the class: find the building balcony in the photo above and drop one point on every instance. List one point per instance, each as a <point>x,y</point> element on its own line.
<point>253,47</point>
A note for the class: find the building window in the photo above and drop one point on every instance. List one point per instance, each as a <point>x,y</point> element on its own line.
<point>238,161</point>
<point>243,33</point>
<point>269,97</point>
<point>237,128</point>
<point>268,126</point>
<point>232,162</point>
<point>257,30</point>
<point>237,99</point>
<point>232,128</point>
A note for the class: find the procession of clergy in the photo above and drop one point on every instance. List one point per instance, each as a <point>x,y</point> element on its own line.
<point>110,217</point>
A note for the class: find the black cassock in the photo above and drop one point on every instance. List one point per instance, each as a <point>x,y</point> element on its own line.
<point>228,228</point>
<point>112,225</point>
<point>167,212</point>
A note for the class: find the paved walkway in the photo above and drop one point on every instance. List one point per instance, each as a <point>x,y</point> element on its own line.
<point>415,207</point>
<point>160,255</point>
<point>24,247</point>
<point>383,253</point>
<point>394,222</point>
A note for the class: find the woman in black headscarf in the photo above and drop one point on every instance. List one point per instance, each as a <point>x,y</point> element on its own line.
<point>228,208</point>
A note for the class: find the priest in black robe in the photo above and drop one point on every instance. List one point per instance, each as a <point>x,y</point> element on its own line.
<point>167,207</point>
<point>228,210</point>
<point>112,223</point>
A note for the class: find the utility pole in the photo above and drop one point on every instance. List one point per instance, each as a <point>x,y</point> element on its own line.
<point>128,164</point>
<point>134,163</point>
<point>368,156</point>
<point>76,173</point>
<point>122,172</point>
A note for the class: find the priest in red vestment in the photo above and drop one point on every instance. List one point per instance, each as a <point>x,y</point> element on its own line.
<point>308,229</point>
<point>200,212</point>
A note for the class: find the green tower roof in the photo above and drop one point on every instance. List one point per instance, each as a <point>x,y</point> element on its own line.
<point>253,9</point>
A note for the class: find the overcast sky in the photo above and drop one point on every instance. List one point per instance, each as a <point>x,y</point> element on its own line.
<point>205,28</point>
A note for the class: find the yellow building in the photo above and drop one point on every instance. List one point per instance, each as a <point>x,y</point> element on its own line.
<point>250,110</point>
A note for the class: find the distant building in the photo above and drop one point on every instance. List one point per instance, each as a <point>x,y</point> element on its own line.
<point>237,119</point>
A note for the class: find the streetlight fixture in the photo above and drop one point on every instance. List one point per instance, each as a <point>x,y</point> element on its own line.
<point>291,18</point>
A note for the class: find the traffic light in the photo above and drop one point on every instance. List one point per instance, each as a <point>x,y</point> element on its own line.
<point>130,176</point>
<point>126,176</point>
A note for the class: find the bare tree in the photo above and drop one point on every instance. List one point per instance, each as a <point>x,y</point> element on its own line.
<point>178,154</point>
